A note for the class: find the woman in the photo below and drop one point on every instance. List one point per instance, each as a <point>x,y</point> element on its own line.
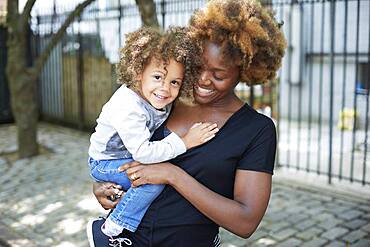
<point>227,181</point>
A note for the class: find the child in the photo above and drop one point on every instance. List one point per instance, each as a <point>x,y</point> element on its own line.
<point>154,67</point>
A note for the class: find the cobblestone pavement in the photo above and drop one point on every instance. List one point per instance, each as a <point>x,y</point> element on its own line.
<point>47,200</point>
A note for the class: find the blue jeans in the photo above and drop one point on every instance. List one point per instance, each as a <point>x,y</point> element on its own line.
<point>132,207</point>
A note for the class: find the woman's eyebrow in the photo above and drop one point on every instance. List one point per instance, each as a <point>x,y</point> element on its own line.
<point>216,69</point>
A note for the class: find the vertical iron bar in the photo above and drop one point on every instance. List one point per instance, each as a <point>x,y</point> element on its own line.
<point>344,82</point>
<point>36,54</point>
<point>321,85</point>
<point>355,96</point>
<point>163,6</point>
<point>251,96</point>
<point>271,96</point>
<point>332,36</point>
<point>278,106</point>
<point>300,83</point>
<point>367,108</point>
<point>80,74</point>
<point>119,25</point>
<point>310,91</point>
<point>54,65</point>
<point>289,83</point>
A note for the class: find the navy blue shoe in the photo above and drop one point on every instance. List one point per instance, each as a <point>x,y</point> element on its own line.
<point>98,239</point>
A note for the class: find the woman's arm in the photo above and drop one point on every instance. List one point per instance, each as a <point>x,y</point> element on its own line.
<point>240,216</point>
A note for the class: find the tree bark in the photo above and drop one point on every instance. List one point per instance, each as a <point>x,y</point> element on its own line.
<point>23,79</point>
<point>148,13</point>
<point>23,92</point>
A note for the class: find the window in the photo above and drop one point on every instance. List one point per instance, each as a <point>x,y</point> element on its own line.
<point>363,84</point>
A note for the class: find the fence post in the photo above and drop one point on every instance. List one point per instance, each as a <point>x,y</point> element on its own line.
<point>5,111</point>
<point>332,24</point>
<point>80,78</point>
<point>355,92</point>
<point>163,12</point>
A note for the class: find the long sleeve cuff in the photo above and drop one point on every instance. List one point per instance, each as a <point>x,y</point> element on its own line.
<point>178,145</point>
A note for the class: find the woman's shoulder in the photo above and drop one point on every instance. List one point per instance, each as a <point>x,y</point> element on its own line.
<point>248,116</point>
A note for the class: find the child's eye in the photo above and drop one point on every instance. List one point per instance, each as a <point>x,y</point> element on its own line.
<point>157,77</point>
<point>176,83</point>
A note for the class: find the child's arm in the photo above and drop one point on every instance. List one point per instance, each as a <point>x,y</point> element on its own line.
<point>199,133</point>
<point>131,125</point>
<point>147,152</point>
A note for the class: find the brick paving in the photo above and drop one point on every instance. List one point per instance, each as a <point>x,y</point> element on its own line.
<point>47,200</point>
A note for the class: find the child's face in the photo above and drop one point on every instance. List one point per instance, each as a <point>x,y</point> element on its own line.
<point>160,83</point>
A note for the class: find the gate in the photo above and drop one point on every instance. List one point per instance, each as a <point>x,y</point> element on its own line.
<point>5,112</point>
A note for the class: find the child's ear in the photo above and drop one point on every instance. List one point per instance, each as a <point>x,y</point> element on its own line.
<point>138,77</point>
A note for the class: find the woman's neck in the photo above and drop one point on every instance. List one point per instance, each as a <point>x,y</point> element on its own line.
<point>227,104</point>
<point>185,115</point>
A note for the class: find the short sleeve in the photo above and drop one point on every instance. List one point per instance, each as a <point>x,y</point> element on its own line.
<point>260,153</point>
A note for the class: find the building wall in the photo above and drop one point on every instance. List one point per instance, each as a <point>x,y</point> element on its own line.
<point>304,67</point>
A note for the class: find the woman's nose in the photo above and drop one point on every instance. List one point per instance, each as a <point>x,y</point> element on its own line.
<point>204,78</point>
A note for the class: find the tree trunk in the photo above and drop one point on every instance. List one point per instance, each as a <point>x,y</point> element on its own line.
<point>148,12</point>
<point>23,91</point>
<point>26,116</point>
<point>22,79</point>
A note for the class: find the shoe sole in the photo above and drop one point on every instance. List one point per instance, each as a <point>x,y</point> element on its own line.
<point>90,237</point>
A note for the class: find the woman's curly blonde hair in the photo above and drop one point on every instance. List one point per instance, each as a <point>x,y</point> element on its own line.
<point>248,34</point>
<point>147,43</point>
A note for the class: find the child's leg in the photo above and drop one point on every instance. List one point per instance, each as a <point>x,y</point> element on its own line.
<point>107,171</point>
<point>132,207</point>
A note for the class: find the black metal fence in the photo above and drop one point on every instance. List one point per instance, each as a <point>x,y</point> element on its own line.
<point>320,100</point>
<point>324,89</point>
<point>5,112</point>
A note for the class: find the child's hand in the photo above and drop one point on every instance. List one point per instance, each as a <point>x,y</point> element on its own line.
<point>200,133</point>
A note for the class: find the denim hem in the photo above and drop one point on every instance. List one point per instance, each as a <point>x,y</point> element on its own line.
<point>123,224</point>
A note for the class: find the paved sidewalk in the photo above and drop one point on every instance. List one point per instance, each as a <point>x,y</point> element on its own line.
<point>47,200</point>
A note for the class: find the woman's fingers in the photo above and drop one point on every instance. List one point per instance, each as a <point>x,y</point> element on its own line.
<point>134,173</point>
<point>138,182</point>
<point>128,165</point>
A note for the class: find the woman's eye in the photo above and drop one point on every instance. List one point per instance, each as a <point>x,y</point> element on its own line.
<point>218,78</point>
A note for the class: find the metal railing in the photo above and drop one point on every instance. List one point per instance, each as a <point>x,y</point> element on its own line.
<point>5,112</point>
<point>320,100</point>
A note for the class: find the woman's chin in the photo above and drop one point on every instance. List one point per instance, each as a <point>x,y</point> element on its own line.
<point>202,100</point>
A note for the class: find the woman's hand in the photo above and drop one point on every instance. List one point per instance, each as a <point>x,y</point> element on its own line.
<point>139,174</point>
<point>108,194</point>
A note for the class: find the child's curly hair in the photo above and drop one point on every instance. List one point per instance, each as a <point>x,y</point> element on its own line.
<point>147,43</point>
<point>248,34</point>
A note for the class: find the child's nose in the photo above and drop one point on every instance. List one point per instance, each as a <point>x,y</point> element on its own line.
<point>166,85</point>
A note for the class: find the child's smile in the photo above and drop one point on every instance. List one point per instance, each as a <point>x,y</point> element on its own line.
<point>161,83</point>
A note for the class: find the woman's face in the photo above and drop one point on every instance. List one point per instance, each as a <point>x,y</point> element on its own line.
<point>218,78</point>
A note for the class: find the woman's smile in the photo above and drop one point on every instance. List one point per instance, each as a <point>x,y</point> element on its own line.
<point>203,92</point>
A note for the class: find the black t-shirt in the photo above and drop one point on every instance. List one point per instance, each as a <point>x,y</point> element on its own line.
<point>247,141</point>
